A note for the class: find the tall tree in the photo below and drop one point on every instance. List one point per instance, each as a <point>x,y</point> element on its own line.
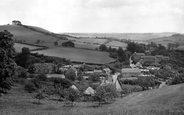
<point>7,64</point>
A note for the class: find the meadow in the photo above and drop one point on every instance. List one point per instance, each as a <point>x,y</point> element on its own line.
<point>24,34</point>
<point>79,55</point>
<point>18,47</point>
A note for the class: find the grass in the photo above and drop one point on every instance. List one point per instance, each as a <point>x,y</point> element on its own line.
<point>92,40</point>
<point>165,101</point>
<point>21,33</point>
<point>18,47</point>
<point>80,55</point>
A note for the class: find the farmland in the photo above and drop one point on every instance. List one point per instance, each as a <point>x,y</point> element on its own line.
<point>24,34</point>
<point>18,47</point>
<point>79,55</point>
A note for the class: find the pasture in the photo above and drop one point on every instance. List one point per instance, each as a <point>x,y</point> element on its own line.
<point>79,55</point>
<point>92,40</point>
<point>18,47</point>
<point>24,34</point>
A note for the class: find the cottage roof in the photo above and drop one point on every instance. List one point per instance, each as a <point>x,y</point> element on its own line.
<point>73,68</point>
<point>89,91</point>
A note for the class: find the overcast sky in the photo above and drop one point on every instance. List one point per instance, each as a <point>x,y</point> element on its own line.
<point>119,16</point>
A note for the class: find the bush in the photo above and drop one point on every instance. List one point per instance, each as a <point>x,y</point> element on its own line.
<point>5,85</point>
<point>177,80</point>
<point>71,95</point>
<point>71,75</point>
<point>94,77</point>
<point>130,88</point>
<point>29,87</point>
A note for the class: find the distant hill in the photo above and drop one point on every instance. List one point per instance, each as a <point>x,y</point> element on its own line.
<point>175,38</point>
<point>31,34</point>
<point>132,36</point>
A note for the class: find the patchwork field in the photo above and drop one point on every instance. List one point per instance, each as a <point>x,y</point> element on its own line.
<point>18,47</point>
<point>80,55</point>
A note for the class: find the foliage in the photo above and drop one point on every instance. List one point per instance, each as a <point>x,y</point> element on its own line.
<point>7,64</point>
<point>103,47</point>
<point>39,96</point>
<point>38,41</point>
<point>29,87</point>
<point>71,95</point>
<point>105,93</point>
<point>56,43</point>
<point>100,95</point>
<point>71,75</point>
<point>146,82</point>
<point>178,79</point>
<point>68,44</point>
<point>94,77</point>
<point>135,47</point>
<point>130,88</point>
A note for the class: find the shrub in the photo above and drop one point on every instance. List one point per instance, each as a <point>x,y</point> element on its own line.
<point>130,88</point>
<point>110,90</point>
<point>29,87</point>
<point>71,94</point>
<point>39,96</point>
<point>100,95</point>
<point>71,75</point>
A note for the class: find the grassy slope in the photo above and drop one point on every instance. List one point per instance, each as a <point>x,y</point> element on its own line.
<point>170,39</point>
<point>153,102</point>
<point>21,33</point>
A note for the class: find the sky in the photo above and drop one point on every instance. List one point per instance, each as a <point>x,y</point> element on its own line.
<point>99,16</point>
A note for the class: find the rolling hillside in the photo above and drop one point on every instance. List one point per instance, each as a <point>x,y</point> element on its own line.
<point>175,38</point>
<point>164,101</point>
<point>28,35</point>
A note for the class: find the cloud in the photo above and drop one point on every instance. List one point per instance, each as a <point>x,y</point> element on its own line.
<point>97,15</point>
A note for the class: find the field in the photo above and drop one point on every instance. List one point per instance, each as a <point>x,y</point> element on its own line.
<point>21,33</point>
<point>92,40</point>
<point>18,47</point>
<point>164,101</point>
<point>132,36</point>
<point>116,44</point>
<point>80,55</point>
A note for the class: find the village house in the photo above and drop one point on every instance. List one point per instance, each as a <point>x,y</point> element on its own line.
<point>137,56</point>
<point>130,72</point>
<point>72,69</point>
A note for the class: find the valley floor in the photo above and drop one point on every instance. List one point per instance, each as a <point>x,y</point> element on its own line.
<point>164,101</point>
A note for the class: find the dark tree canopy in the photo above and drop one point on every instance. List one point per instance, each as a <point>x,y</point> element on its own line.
<point>103,47</point>
<point>135,47</point>
<point>68,44</point>
<point>7,64</point>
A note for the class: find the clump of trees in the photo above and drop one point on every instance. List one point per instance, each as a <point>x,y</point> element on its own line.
<point>68,44</point>
<point>103,47</point>
<point>7,64</point>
